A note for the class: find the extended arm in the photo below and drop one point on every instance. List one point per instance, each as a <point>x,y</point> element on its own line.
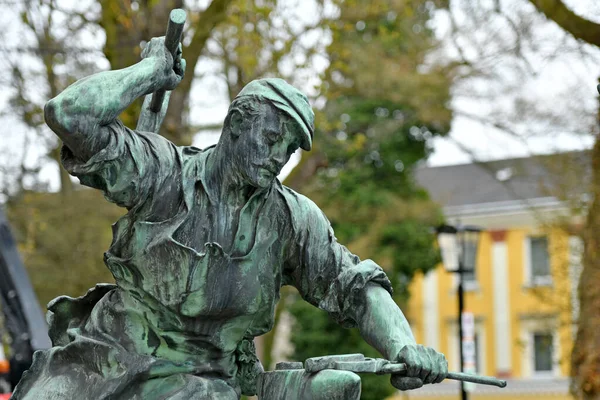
<point>383,325</point>
<point>80,112</point>
<point>356,293</point>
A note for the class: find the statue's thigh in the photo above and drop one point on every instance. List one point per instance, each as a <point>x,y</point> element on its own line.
<point>57,374</point>
<point>47,379</point>
<point>182,387</point>
<point>300,385</point>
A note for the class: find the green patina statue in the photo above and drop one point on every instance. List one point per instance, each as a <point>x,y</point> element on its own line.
<point>209,238</point>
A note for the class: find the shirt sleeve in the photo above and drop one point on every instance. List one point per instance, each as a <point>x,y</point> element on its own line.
<point>130,168</point>
<point>326,273</point>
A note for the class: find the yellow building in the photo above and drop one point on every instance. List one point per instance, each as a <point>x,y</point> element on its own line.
<point>522,293</point>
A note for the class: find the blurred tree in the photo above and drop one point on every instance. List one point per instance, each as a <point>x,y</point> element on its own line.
<point>503,50</point>
<point>259,37</point>
<point>585,359</point>
<point>383,102</point>
<point>62,240</point>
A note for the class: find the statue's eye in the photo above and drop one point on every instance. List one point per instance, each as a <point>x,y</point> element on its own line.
<point>272,136</point>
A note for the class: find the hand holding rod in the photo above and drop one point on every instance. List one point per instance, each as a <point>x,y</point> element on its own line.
<point>457,376</point>
<point>172,39</point>
<point>361,364</point>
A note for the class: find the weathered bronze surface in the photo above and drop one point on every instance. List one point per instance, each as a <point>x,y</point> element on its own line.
<point>209,238</point>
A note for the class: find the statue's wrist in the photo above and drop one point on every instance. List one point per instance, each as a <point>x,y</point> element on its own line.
<point>394,353</point>
<point>153,73</point>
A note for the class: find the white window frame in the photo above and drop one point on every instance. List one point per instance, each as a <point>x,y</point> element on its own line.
<point>529,329</point>
<point>453,352</point>
<point>575,268</point>
<point>530,280</point>
<point>471,285</point>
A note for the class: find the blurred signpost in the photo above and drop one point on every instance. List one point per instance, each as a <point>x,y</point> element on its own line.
<point>468,348</point>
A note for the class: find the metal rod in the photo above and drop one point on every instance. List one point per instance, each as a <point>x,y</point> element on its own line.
<point>461,308</point>
<point>484,380</point>
<point>400,368</point>
<point>172,39</point>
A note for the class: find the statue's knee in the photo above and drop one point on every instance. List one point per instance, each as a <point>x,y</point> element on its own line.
<point>335,385</point>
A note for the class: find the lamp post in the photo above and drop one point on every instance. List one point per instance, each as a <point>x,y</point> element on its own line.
<point>458,246</point>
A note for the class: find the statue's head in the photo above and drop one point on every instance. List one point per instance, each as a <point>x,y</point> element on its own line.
<point>266,123</point>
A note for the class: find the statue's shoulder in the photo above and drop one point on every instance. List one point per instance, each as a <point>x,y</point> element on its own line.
<point>301,208</point>
<point>193,160</point>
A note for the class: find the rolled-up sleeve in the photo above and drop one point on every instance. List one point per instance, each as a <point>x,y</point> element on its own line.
<point>326,273</point>
<point>130,168</point>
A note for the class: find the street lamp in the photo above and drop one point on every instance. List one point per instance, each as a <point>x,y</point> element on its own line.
<point>458,246</point>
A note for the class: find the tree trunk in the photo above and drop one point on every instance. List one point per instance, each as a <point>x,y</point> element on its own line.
<point>585,358</point>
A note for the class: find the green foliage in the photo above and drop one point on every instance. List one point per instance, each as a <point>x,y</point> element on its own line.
<point>256,38</point>
<point>383,107</point>
<point>382,110</point>
<point>62,239</point>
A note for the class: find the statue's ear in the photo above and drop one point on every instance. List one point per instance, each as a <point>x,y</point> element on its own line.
<point>235,123</point>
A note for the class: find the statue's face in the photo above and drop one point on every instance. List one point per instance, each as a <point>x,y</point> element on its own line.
<point>264,148</point>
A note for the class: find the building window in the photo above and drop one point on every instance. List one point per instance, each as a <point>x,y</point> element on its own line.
<point>479,357</point>
<point>543,352</point>
<point>538,261</point>
<point>469,277</point>
<point>476,348</point>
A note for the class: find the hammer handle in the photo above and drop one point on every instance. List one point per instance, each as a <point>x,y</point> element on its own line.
<point>172,39</point>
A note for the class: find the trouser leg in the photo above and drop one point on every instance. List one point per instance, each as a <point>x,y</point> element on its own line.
<point>180,387</point>
<point>46,381</point>
<point>60,373</point>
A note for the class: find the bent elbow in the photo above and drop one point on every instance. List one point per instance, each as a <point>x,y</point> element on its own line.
<point>51,112</point>
<point>57,117</point>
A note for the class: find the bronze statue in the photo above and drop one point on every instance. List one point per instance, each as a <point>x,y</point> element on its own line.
<point>209,238</point>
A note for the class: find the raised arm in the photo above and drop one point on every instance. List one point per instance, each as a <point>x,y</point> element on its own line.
<point>79,114</point>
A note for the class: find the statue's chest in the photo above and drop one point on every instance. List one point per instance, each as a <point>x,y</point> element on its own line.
<point>223,286</point>
<point>232,228</point>
<point>233,274</point>
<point>211,264</point>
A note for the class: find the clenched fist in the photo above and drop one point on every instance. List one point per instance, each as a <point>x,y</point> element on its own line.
<point>167,71</point>
<point>424,365</point>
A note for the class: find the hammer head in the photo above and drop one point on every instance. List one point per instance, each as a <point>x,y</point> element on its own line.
<point>316,364</point>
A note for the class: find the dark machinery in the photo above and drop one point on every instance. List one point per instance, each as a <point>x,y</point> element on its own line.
<point>23,318</point>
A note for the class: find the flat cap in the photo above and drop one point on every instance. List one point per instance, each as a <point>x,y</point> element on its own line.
<point>288,99</point>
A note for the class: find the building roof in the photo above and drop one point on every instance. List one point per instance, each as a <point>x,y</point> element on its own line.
<point>504,181</point>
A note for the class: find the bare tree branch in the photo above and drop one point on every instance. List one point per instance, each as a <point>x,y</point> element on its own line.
<point>492,123</point>
<point>579,27</point>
